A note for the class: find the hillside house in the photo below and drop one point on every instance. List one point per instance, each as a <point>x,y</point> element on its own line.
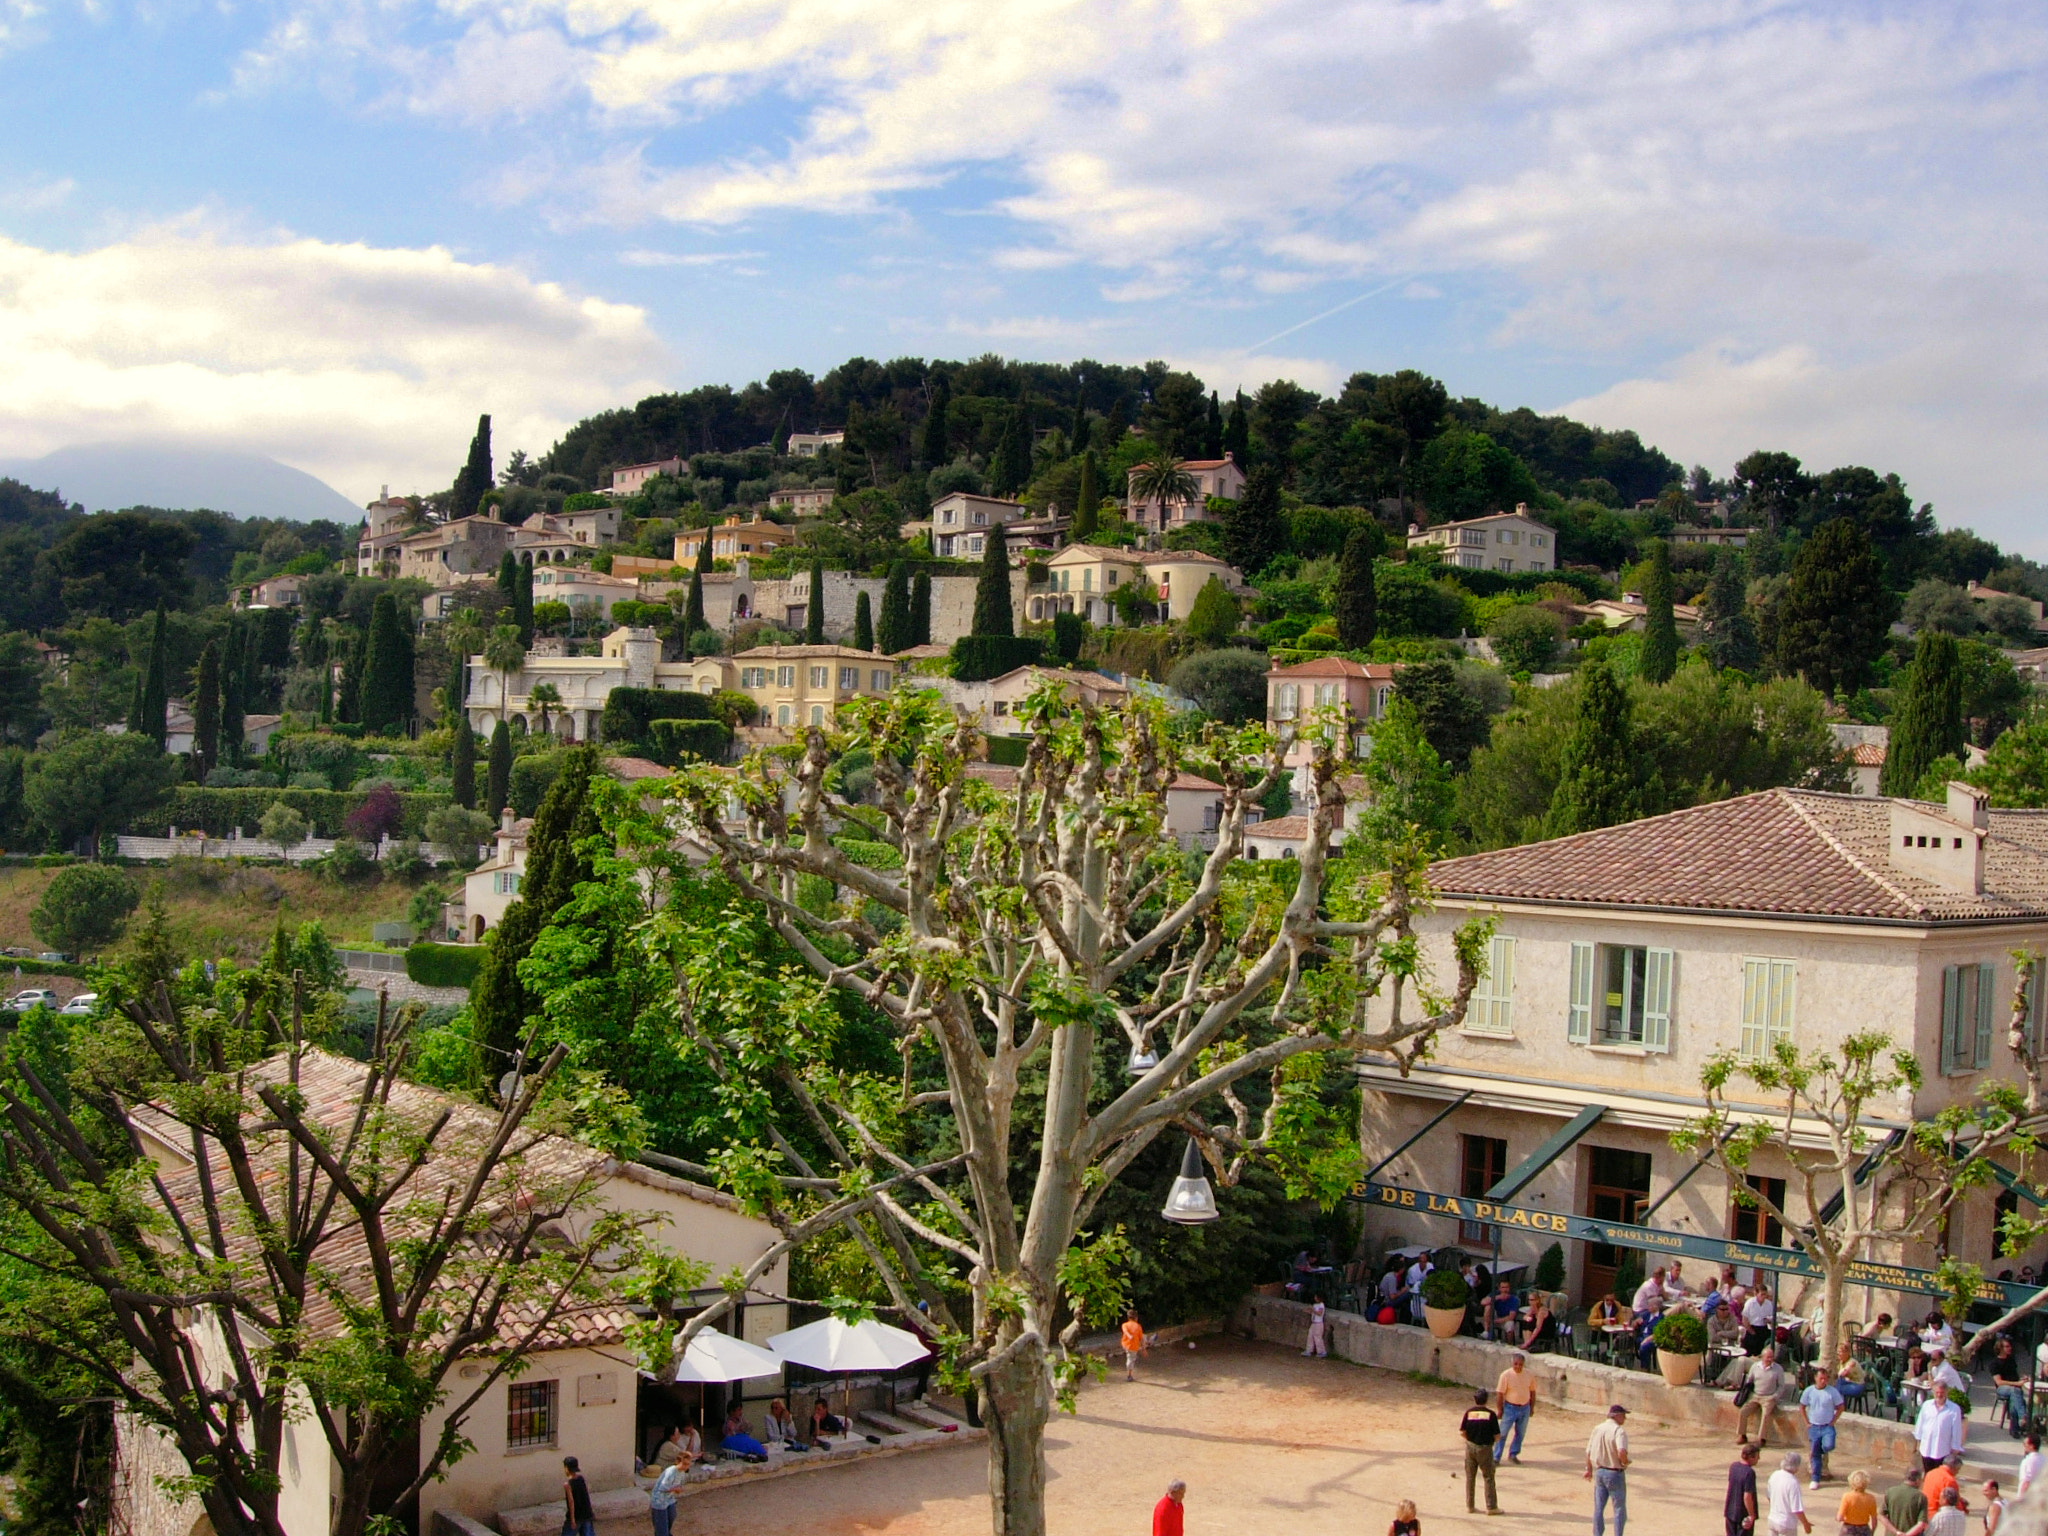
<point>1358,690</point>
<point>631,479</point>
<point>1213,477</point>
<point>1503,541</point>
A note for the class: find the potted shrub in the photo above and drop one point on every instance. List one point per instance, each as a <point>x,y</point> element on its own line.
<point>1681,1340</point>
<point>1445,1296</point>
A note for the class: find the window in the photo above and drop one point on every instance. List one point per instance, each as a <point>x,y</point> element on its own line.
<point>1620,995</point>
<point>782,714</point>
<point>1752,1223</point>
<point>785,677</point>
<point>980,519</point>
<point>530,1414</point>
<point>878,680</point>
<point>505,883</point>
<point>1289,701</point>
<point>946,517</point>
<point>2037,984</point>
<point>1327,693</point>
<point>1506,564</point>
<point>849,677</point>
<point>820,676</point>
<point>974,545</point>
<point>817,714</point>
<point>1002,706</point>
<point>1769,993</point>
<point>1109,580</point>
<point>1483,1163</point>
<point>753,677</point>
<point>1088,580</point>
<point>1968,996</point>
<point>1492,1009</point>
<point>1539,541</point>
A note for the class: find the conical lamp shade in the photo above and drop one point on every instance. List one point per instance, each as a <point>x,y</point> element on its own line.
<point>1191,1201</point>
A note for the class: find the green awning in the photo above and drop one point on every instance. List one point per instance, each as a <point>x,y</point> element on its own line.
<point>1517,1178</point>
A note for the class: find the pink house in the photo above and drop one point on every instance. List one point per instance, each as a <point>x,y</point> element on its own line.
<point>1294,694</point>
<point>1212,477</point>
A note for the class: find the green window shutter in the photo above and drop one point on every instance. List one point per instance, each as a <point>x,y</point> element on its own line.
<point>1951,1009</point>
<point>1756,1019</point>
<point>1503,973</point>
<point>1578,1029</point>
<point>1659,964</point>
<point>1987,999</point>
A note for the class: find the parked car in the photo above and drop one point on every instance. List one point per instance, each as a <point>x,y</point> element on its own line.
<point>15,952</point>
<point>59,958</point>
<point>85,1002</point>
<point>32,997</point>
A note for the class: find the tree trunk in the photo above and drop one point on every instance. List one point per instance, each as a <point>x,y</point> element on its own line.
<point>1016,1400</point>
<point>1833,1285</point>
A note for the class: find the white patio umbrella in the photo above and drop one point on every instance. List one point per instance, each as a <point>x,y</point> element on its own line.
<point>830,1345</point>
<point>715,1356</point>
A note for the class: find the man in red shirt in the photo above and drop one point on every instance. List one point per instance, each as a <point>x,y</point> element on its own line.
<point>1166,1514</point>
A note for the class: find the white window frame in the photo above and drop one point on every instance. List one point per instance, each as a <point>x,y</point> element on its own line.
<point>785,677</point>
<point>1588,1002</point>
<point>1770,1005</point>
<point>821,677</point>
<point>1491,1011</point>
<point>849,677</point>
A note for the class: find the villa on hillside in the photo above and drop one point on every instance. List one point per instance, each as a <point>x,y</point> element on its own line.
<point>1503,541</point>
<point>1213,477</point>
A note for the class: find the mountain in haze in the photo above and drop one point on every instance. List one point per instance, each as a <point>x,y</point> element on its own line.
<point>110,476</point>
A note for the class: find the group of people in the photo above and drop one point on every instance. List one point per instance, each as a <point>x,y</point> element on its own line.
<point>1922,1503</point>
<point>1493,1306</point>
<point>683,1446</point>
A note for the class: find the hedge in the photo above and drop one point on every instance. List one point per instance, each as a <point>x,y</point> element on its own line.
<point>444,965</point>
<point>217,812</point>
<point>869,855</point>
<point>1493,583</point>
<point>628,712</point>
<point>1007,751</point>
<point>671,742</point>
<point>977,658</point>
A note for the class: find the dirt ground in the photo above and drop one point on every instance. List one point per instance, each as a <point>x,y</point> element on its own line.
<point>1267,1443</point>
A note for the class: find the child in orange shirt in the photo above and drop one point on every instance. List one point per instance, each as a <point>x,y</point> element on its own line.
<point>1133,1342</point>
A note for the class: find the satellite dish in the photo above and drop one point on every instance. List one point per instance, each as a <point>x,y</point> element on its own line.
<point>508,1085</point>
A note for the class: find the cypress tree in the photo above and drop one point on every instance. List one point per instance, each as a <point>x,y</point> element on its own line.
<point>1730,637</point>
<point>1077,435</point>
<point>1116,426</point>
<point>703,566</point>
<point>499,1001</point>
<point>893,633</point>
<point>1254,529</point>
<point>206,712</point>
<point>1928,724</point>
<point>1088,500</point>
<point>387,683</point>
<point>462,767</point>
<point>522,604</point>
<point>237,680</point>
<point>156,694</point>
<point>1011,471</point>
<point>992,614</point>
<point>863,624</point>
<point>693,611</point>
<point>814,610</point>
<point>1215,615</point>
<point>498,771</point>
<point>1836,612</point>
<point>1212,429</point>
<point>937,446</point>
<point>508,577</point>
<point>1598,786</point>
<point>921,609</point>
<point>348,708</point>
<point>135,695</point>
<point>1237,431</point>
<point>475,477</point>
<point>1357,599</point>
<point>1660,630</point>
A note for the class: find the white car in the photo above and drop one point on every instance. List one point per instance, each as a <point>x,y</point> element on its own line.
<point>32,997</point>
<point>81,1004</point>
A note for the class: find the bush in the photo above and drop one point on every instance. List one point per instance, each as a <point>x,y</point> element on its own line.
<point>1226,685</point>
<point>1007,751</point>
<point>532,776</point>
<point>1214,617</point>
<point>405,861</point>
<point>1493,583</point>
<point>977,658</point>
<point>1550,1269</point>
<point>1680,1333</point>
<point>284,825</point>
<point>347,862</point>
<point>85,906</point>
<point>585,501</point>
<point>1069,631</point>
<point>216,812</point>
<point>443,965</point>
<point>1526,638</point>
<point>458,833</point>
<point>672,742</point>
<point>628,712</point>
<point>380,815</point>
<point>1445,1289</point>
<point>734,708</point>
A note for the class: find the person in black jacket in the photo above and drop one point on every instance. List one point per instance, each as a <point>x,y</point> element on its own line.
<point>1480,1427</point>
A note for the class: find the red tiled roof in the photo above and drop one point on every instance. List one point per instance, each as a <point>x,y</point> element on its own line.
<point>1782,853</point>
<point>1336,666</point>
<point>1286,829</point>
<point>1185,780</point>
<point>628,770</point>
<point>1867,754</point>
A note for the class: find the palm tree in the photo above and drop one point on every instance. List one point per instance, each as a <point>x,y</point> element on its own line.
<point>1164,479</point>
<point>464,636</point>
<point>546,699</point>
<point>504,655</point>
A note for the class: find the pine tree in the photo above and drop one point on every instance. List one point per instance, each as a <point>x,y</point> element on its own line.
<point>814,610</point>
<point>1088,500</point>
<point>1237,431</point>
<point>1928,723</point>
<point>1730,637</point>
<point>863,624</point>
<point>462,767</point>
<point>1212,429</point>
<point>156,686</point>
<point>937,445</point>
<point>498,771</point>
<point>1011,471</point>
<point>555,866</point>
<point>476,477</point>
<point>206,713</point>
<point>893,633</point>
<point>992,614</point>
<point>1659,658</point>
<point>921,609</point>
<point>1598,785</point>
<point>1254,528</point>
<point>1836,612</point>
<point>1357,599</point>
<point>522,604</point>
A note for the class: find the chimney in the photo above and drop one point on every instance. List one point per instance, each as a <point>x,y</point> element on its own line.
<point>1969,805</point>
<point>383,493</point>
<point>1945,844</point>
<point>505,820</point>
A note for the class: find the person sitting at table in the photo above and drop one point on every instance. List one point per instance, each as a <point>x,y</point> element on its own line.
<point>1723,1332</point>
<point>1936,1333</point>
<point>779,1426</point>
<point>737,1440</point>
<point>1933,1367</point>
<point>2009,1386</point>
<point>1879,1330</point>
<point>1851,1380</point>
<point>824,1422</point>
<point>1759,1313</point>
<point>1541,1324</point>
<point>1606,1312</point>
<point>673,1449</point>
<point>1674,1282</point>
<point>1649,1297</point>
<point>1503,1315</point>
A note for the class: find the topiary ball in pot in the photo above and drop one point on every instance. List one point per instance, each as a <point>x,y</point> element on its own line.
<point>1445,1297</point>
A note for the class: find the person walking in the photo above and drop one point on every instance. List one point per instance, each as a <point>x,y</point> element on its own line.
<point>1133,1339</point>
<point>1994,1508</point>
<point>1819,1406</point>
<point>661,1500</point>
<point>1167,1513</point>
<point>1937,1428</point>
<point>1905,1506</point>
<point>1738,1508</point>
<point>1787,1504</point>
<point>1517,1393</point>
<point>1766,1380</point>
<point>578,1518</point>
<point>1481,1429</point>
<point>1607,1469</point>
<point>2031,1462</point>
<point>1316,1346</point>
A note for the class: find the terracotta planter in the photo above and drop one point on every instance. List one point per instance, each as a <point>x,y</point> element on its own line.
<point>1444,1322</point>
<point>1678,1369</point>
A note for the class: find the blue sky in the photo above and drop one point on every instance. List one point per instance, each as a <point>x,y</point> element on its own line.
<point>336,230</point>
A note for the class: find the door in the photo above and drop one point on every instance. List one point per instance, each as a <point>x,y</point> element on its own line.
<point>1617,1189</point>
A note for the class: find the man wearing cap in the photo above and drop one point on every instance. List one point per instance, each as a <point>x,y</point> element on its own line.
<point>1607,1470</point>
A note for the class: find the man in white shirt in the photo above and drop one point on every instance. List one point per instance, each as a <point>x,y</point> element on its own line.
<point>2030,1464</point>
<point>1938,1428</point>
<point>1417,1273</point>
<point>1759,1312</point>
<point>1674,1283</point>
<point>1787,1515</point>
<point>1650,1294</point>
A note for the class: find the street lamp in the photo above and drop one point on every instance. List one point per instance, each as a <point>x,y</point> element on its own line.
<point>1191,1202</point>
<point>1143,1060</point>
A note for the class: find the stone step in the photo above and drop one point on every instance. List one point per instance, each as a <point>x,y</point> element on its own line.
<point>929,1417</point>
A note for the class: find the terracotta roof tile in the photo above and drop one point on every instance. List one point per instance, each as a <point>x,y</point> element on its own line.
<point>1336,666</point>
<point>1286,829</point>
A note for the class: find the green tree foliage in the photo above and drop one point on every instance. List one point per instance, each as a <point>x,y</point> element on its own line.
<point>349,706</point>
<point>84,907</point>
<point>1659,657</point>
<point>1447,713</point>
<point>1254,531</point>
<point>206,712</point>
<point>863,624</point>
<point>814,609</point>
<point>1237,431</point>
<point>95,785</point>
<point>1995,696</point>
<point>1467,474</point>
<point>153,688</point>
<point>1600,782</point>
<point>522,603</point>
<point>893,633</point>
<point>238,669</point>
<point>1010,469</point>
<point>1227,685</point>
<point>1088,500</point>
<point>498,771</point>
<point>1526,637</point>
<point>387,687</point>
<point>693,610</point>
<point>1278,410</point>
<point>122,564</point>
<point>556,862</point>
<point>1212,429</point>
<point>458,833</point>
<point>1069,632</point>
<point>1410,600</point>
<point>1215,615</point>
<point>1729,637</point>
<point>935,447</point>
<point>1936,604</point>
<point>921,609</point>
<point>992,613</point>
<point>2015,770</point>
<point>475,476</point>
<point>1357,599</point>
<point>1834,616</point>
<point>1773,488</point>
<point>1413,405</point>
<point>22,676</point>
<point>284,824</point>
<point>462,766</point>
<point>1928,722</point>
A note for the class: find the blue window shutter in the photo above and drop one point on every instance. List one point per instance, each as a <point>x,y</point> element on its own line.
<point>1987,999</point>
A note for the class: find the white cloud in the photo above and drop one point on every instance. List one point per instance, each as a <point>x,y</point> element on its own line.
<point>357,364</point>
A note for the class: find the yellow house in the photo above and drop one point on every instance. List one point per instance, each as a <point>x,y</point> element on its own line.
<point>1180,575</point>
<point>800,685</point>
<point>733,540</point>
<point>1081,578</point>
